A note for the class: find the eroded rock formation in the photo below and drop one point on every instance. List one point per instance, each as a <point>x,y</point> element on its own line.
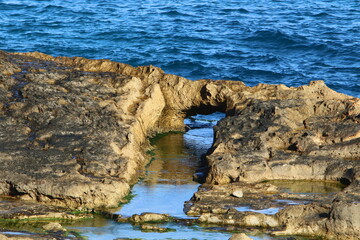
<point>74,133</point>
<point>308,134</point>
<point>297,137</point>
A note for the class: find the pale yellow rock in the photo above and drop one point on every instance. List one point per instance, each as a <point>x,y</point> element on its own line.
<point>150,217</point>
<point>93,123</point>
<point>237,193</point>
<point>3,237</point>
<point>240,236</point>
<point>54,227</point>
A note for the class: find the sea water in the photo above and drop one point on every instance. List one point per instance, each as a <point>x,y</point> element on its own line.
<point>265,41</point>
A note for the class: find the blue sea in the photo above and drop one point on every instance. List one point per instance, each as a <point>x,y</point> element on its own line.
<point>262,41</point>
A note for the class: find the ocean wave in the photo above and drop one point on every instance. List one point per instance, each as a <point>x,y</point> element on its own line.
<point>8,4</point>
<point>253,41</point>
<point>15,6</point>
<point>53,8</point>
<point>235,10</point>
<point>170,50</point>
<point>229,55</point>
<point>196,40</point>
<point>261,73</point>
<point>185,63</point>
<point>315,48</point>
<point>348,87</point>
<point>175,13</point>
<point>321,15</point>
<point>233,22</point>
<point>275,36</point>
<point>293,42</point>
<point>263,59</point>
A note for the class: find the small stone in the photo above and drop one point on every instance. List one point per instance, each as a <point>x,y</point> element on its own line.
<point>237,193</point>
<point>240,236</point>
<point>150,217</point>
<point>54,227</point>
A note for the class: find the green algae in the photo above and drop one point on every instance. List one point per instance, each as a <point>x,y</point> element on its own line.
<point>127,199</point>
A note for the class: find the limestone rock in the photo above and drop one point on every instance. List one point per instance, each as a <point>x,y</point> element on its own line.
<point>27,210</point>
<point>150,217</point>
<point>246,219</point>
<point>240,236</point>
<point>344,219</point>
<point>304,219</point>
<point>237,193</point>
<point>54,227</point>
<point>286,139</point>
<point>3,237</point>
<point>74,132</point>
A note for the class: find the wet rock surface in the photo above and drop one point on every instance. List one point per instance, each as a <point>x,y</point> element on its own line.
<point>30,236</point>
<point>264,205</point>
<point>12,209</point>
<point>74,134</point>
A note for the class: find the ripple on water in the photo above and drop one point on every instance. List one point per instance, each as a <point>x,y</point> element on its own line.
<point>300,35</point>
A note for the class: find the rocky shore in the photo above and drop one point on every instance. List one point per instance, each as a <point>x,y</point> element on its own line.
<point>74,135</point>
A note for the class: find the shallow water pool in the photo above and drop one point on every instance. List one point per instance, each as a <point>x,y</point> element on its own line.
<point>167,184</point>
<point>308,187</point>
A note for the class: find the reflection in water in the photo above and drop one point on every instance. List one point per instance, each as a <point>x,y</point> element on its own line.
<point>173,164</point>
<point>168,182</point>
<point>166,186</point>
<point>160,198</point>
<point>115,230</point>
<point>308,187</point>
<point>97,221</point>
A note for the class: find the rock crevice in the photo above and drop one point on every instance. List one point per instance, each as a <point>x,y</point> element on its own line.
<point>74,132</point>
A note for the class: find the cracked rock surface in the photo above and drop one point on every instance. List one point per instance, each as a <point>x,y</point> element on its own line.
<point>73,133</point>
